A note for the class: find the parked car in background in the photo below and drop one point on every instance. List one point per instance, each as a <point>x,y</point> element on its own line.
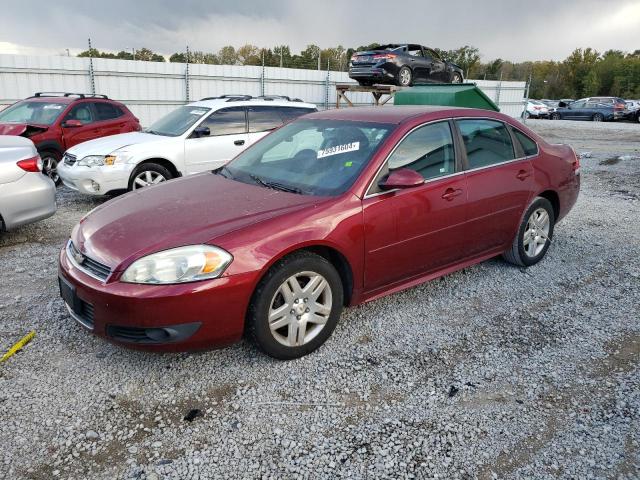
<point>402,64</point>
<point>55,122</point>
<point>633,110</point>
<point>536,109</point>
<point>585,109</point>
<point>201,136</point>
<point>336,208</point>
<point>26,195</point>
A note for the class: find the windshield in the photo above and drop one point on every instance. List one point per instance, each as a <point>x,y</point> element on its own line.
<point>40,113</point>
<point>315,157</point>
<point>177,122</point>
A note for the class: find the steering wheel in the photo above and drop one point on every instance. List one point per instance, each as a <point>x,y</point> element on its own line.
<point>306,157</point>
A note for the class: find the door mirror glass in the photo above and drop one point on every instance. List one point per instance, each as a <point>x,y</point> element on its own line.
<point>71,123</point>
<point>401,178</point>
<point>201,131</point>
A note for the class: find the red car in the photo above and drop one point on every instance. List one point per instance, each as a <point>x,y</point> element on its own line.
<point>58,121</point>
<point>334,209</point>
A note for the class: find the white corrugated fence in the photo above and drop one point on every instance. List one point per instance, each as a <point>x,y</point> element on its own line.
<point>151,89</point>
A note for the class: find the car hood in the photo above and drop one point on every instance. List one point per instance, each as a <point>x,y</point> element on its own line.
<point>23,129</point>
<point>107,145</point>
<point>187,211</point>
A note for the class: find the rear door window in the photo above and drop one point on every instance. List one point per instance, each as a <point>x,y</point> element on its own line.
<point>487,142</point>
<point>291,113</point>
<point>263,119</point>
<point>107,111</point>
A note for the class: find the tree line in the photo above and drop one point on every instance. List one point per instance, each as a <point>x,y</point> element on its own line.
<point>586,72</point>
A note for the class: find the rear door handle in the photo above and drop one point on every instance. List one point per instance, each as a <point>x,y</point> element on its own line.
<point>523,175</point>
<point>449,194</point>
<point>239,142</point>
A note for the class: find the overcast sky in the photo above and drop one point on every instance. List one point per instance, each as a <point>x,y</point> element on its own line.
<point>509,29</point>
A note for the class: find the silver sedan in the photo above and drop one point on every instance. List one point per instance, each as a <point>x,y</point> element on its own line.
<point>26,195</point>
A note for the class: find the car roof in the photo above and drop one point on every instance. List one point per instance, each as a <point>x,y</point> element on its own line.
<point>217,103</point>
<point>395,114</point>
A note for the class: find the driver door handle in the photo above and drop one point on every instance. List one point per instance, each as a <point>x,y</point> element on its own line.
<point>239,142</point>
<point>449,194</point>
<point>523,175</point>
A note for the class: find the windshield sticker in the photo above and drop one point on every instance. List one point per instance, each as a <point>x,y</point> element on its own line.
<point>348,164</point>
<point>52,107</point>
<point>338,149</point>
<point>198,112</point>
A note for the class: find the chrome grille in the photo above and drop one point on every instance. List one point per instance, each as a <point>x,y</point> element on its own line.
<point>69,159</point>
<point>88,265</point>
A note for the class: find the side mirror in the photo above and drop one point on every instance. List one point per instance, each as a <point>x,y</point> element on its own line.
<point>201,131</point>
<point>71,124</point>
<point>401,178</point>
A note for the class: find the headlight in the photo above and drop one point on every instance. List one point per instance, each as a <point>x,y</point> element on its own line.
<point>92,161</point>
<point>179,265</point>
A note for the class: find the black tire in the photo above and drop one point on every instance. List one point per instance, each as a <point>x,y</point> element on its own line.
<point>257,316</point>
<point>50,160</point>
<point>598,117</point>
<point>404,77</point>
<point>457,78</point>
<point>555,116</point>
<point>153,168</point>
<point>517,254</point>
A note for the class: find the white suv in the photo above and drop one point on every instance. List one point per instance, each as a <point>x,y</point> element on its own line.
<point>197,137</point>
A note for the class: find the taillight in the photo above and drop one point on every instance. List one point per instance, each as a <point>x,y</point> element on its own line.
<point>354,57</point>
<point>576,162</point>
<point>33,164</point>
<point>384,56</point>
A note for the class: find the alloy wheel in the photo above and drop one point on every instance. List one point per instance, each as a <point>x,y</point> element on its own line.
<point>300,309</point>
<point>456,78</point>
<point>405,77</point>
<point>147,178</point>
<point>536,233</point>
<point>50,168</point>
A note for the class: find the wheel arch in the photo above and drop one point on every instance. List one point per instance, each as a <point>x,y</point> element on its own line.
<point>330,253</point>
<point>554,199</point>
<point>168,164</point>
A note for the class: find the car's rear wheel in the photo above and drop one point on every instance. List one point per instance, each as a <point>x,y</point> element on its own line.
<point>404,77</point>
<point>555,116</point>
<point>296,306</point>
<point>50,166</point>
<point>148,174</point>
<point>598,117</point>
<point>456,78</point>
<point>534,235</point>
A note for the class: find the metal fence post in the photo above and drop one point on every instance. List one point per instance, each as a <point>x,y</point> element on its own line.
<point>526,100</point>
<point>498,88</point>
<point>326,86</point>
<point>186,77</point>
<point>262,76</point>
<point>92,80</point>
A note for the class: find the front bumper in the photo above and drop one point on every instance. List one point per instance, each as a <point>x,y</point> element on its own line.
<point>30,198</point>
<point>95,180</point>
<point>202,314</point>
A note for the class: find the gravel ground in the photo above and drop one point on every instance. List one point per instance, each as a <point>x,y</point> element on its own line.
<point>492,372</point>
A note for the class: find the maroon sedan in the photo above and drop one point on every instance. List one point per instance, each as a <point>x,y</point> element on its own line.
<point>334,209</point>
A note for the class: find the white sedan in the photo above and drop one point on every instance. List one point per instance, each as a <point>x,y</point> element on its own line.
<point>26,195</point>
<point>536,109</point>
<point>194,138</point>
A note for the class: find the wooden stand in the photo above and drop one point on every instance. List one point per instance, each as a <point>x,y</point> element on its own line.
<point>378,91</point>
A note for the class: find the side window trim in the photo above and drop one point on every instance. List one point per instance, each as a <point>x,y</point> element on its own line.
<point>516,142</point>
<point>384,167</point>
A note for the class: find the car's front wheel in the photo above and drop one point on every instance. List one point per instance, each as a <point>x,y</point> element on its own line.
<point>148,174</point>
<point>534,235</point>
<point>555,116</point>
<point>404,77</point>
<point>296,307</point>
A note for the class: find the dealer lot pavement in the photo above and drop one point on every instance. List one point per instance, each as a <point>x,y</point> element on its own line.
<point>493,370</point>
